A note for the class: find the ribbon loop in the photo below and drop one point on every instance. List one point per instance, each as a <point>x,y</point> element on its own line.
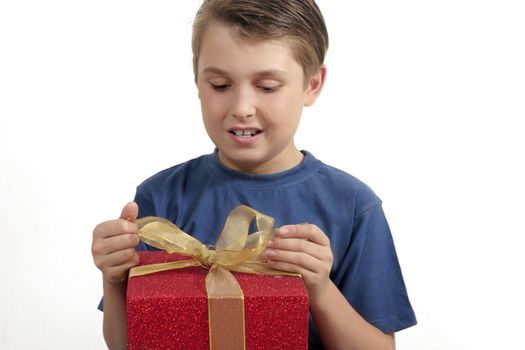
<point>234,246</point>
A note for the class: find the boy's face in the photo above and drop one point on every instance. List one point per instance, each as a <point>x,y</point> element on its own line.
<point>252,94</point>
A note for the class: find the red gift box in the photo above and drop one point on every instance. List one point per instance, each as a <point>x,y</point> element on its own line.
<point>169,309</point>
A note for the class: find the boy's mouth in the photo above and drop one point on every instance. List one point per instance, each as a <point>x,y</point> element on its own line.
<point>245,132</point>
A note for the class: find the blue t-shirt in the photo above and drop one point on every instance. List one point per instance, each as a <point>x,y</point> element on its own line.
<point>199,194</point>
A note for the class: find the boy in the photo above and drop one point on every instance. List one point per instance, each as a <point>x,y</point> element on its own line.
<point>256,64</point>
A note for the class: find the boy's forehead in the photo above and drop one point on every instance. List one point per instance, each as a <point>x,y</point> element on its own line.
<point>234,30</point>
<point>222,45</point>
<point>269,73</point>
<point>219,33</point>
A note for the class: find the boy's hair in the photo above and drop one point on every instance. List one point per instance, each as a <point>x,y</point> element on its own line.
<point>298,21</point>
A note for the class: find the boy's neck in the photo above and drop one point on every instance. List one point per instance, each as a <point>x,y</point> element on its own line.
<point>275,165</point>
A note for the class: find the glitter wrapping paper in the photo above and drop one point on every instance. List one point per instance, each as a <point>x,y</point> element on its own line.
<point>169,309</point>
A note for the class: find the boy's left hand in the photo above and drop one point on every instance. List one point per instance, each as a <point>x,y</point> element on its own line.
<point>304,249</point>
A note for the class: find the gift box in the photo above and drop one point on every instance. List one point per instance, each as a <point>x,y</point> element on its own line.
<point>169,309</point>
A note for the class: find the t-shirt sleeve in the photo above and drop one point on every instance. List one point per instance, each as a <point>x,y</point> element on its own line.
<point>370,275</point>
<point>144,201</point>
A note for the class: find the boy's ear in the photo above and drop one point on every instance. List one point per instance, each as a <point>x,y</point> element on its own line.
<point>315,85</point>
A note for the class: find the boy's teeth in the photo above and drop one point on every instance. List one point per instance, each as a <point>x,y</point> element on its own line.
<point>244,133</point>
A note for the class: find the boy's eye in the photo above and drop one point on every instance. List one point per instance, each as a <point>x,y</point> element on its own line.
<point>220,87</point>
<point>269,89</point>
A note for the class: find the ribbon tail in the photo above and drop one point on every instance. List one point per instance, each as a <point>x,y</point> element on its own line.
<point>225,310</point>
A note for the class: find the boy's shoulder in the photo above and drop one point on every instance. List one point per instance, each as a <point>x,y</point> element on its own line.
<point>348,185</point>
<point>175,172</point>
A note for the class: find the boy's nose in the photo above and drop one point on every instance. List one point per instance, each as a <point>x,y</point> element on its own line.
<point>243,105</point>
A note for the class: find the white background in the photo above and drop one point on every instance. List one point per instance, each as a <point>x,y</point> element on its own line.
<point>423,102</point>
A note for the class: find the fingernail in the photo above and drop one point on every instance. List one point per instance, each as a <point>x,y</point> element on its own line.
<point>283,231</point>
<point>270,243</point>
<point>270,252</point>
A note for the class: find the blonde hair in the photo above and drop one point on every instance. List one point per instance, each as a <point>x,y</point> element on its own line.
<point>298,21</point>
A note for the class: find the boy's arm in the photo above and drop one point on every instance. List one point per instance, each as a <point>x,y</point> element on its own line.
<point>305,249</point>
<point>341,327</point>
<point>113,250</point>
<point>114,322</point>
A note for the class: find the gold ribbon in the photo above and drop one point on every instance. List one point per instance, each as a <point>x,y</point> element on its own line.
<point>235,250</point>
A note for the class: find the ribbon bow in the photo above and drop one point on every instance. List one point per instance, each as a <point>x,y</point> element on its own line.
<point>235,250</point>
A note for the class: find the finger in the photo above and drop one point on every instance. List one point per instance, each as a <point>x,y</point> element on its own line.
<point>130,212</point>
<point>123,257</point>
<point>286,266</point>
<point>307,231</point>
<point>115,228</point>
<point>301,259</point>
<point>300,245</point>
<point>112,244</point>
<point>119,273</point>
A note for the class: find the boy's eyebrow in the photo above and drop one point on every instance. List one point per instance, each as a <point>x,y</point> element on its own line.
<point>214,70</point>
<point>272,73</point>
<point>264,73</point>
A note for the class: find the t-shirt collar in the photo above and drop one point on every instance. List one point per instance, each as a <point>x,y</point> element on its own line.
<point>237,178</point>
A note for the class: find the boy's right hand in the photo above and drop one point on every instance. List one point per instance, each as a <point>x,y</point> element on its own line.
<point>113,246</point>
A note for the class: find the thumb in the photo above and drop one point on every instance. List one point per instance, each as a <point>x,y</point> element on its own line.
<point>130,211</point>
